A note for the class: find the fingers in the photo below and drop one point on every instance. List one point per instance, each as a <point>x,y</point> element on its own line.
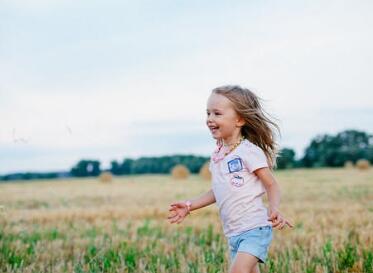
<point>276,223</point>
<point>175,209</point>
<point>172,216</point>
<point>273,216</point>
<point>284,223</point>
<point>176,219</point>
<point>179,220</point>
<point>281,223</point>
<point>276,219</point>
<point>289,224</point>
<point>181,211</point>
<point>178,204</point>
<point>177,216</point>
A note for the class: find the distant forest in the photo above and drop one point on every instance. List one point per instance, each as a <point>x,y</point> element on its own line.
<point>323,151</point>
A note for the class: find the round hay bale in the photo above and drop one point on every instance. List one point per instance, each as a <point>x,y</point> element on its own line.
<point>180,172</point>
<point>362,164</point>
<point>106,177</point>
<point>349,164</point>
<point>204,172</point>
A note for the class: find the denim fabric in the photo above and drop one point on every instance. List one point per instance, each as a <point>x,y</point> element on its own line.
<point>255,241</point>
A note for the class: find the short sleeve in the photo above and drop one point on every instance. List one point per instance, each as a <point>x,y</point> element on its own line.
<point>254,158</point>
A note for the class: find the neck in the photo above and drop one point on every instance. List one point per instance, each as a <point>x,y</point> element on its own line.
<point>233,140</point>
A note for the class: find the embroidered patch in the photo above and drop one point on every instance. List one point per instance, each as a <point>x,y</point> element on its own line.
<point>237,180</point>
<point>235,165</point>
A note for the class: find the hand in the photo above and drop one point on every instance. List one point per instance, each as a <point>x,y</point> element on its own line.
<point>277,219</point>
<point>180,210</point>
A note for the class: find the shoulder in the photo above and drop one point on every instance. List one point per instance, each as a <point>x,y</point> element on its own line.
<point>248,146</point>
<point>254,157</point>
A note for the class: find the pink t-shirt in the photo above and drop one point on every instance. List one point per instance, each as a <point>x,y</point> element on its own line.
<point>238,191</point>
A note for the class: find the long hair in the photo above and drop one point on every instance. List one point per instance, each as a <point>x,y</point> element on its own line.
<point>259,127</point>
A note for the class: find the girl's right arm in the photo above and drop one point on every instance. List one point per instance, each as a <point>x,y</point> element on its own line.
<point>205,200</point>
<point>183,208</point>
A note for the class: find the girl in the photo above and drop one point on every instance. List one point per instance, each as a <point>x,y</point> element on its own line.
<point>241,173</point>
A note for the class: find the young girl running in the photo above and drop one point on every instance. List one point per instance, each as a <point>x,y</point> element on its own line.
<point>241,173</point>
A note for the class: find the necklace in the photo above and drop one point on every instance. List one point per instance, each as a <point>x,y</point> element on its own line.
<point>234,146</point>
<point>217,155</point>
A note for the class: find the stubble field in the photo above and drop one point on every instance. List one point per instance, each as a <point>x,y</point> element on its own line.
<point>82,225</point>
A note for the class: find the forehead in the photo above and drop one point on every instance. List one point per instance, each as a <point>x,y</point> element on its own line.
<point>218,102</point>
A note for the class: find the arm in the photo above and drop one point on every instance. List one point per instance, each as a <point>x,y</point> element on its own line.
<point>181,209</point>
<point>271,186</point>
<point>273,192</point>
<point>205,200</point>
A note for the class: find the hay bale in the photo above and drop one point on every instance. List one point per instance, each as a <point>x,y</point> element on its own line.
<point>106,177</point>
<point>204,172</point>
<point>348,164</point>
<point>180,172</point>
<point>362,164</point>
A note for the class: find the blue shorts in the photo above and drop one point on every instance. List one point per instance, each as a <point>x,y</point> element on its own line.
<point>255,241</point>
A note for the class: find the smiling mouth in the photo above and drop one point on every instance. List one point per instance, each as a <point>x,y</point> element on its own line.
<point>214,129</point>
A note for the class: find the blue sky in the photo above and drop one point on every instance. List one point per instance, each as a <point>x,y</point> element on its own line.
<point>113,79</point>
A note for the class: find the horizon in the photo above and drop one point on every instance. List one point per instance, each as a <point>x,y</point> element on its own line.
<point>297,157</point>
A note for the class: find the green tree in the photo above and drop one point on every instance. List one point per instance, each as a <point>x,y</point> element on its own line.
<point>115,167</point>
<point>86,168</point>
<point>286,159</point>
<point>334,151</point>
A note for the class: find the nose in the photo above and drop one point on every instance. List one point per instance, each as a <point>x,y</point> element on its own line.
<point>209,118</point>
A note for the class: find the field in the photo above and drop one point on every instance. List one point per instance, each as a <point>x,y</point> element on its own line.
<point>83,225</point>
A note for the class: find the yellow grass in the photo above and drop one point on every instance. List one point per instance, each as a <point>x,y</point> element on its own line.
<point>323,204</point>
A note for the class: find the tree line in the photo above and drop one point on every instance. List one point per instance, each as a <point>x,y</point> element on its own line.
<point>323,151</point>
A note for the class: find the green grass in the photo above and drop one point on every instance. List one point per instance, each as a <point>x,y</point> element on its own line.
<point>162,251</point>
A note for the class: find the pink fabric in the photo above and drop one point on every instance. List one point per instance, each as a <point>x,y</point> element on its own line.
<point>218,153</point>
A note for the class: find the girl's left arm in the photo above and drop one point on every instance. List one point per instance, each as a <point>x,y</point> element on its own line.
<point>273,192</point>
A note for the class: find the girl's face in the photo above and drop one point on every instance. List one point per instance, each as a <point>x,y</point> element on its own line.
<point>222,120</point>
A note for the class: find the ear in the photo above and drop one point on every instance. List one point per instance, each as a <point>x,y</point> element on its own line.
<point>240,122</point>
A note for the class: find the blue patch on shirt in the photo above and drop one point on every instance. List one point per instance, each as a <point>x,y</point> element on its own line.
<point>235,165</point>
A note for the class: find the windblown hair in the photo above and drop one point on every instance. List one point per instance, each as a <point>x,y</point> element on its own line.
<point>259,127</point>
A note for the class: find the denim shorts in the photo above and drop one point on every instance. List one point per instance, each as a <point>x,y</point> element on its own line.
<point>255,241</point>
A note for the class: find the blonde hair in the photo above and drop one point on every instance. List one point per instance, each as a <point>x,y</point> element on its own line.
<point>258,128</point>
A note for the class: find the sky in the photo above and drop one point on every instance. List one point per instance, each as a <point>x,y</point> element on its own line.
<point>109,80</point>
